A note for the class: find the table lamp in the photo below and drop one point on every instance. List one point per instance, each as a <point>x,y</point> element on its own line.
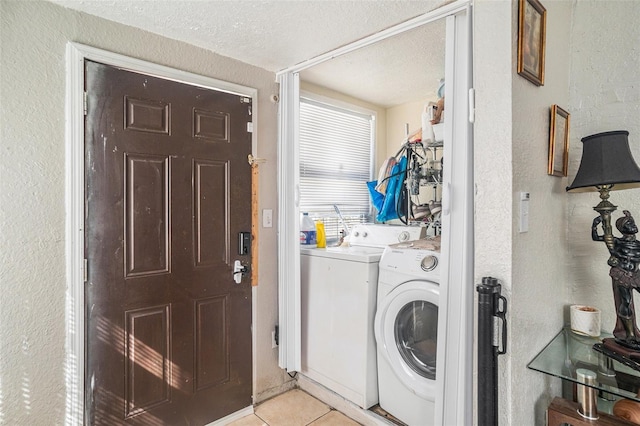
<point>606,165</point>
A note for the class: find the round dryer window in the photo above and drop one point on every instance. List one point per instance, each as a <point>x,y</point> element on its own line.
<point>416,335</point>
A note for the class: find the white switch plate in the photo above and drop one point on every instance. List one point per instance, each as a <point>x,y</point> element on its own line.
<point>267,218</point>
<point>524,212</point>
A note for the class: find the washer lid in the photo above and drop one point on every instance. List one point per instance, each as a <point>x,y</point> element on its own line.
<point>406,328</point>
<point>352,254</point>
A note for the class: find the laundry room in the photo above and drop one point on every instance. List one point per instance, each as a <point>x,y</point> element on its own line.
<point>374,148</point>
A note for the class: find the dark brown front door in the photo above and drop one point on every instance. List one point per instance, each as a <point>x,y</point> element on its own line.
<point>167,191</point>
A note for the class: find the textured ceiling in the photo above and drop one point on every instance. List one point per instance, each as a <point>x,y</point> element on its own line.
<point>276,34</point>
<point>404,68</point>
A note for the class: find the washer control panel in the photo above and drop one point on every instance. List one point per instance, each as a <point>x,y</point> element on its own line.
<point>404,236</point>
<point>379,235</point>
<point>411,261</point>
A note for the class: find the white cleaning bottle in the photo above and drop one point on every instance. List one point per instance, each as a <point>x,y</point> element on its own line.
<point>427,129</point>
<point>307,232</point>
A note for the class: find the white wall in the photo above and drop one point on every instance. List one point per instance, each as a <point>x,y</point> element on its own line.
<point>492,139</point>
<point>32,195</point>
<point>397,117</point>
<point>555,264</point>
<point>511,147</point>
<point>540,280</point>
<point>493,65</point>
<point>604,96</point>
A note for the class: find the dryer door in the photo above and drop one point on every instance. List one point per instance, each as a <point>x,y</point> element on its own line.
<point>406,328</point>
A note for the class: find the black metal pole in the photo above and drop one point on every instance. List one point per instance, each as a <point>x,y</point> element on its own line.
<point>488,308</point>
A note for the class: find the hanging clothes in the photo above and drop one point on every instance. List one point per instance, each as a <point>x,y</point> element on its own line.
<point>386,204</point>
<point>384,174</point>
<point>377,199</point>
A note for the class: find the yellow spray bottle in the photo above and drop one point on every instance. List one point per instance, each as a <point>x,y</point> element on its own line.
<point>320,235</point>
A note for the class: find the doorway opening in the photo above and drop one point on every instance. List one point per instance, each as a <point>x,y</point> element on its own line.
<point>457,208</point>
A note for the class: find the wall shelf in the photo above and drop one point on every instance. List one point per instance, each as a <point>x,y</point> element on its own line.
<point>568,352</point>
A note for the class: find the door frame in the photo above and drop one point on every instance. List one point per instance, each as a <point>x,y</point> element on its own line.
<point>457,293</point>
<point>76,54</point>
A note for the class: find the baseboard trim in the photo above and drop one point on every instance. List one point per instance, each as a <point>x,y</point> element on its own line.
<point>233,417</point>
<point>274,391</point>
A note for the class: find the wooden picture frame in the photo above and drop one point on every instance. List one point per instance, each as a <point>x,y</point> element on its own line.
<point>558,142</point>
<point>532,23</point>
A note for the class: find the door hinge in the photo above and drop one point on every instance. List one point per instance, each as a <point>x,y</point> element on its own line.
<point>84,102</point>
<point>276,335</point>
<point>250,127</point>
<point>86,273</point>
<point>248,101</point>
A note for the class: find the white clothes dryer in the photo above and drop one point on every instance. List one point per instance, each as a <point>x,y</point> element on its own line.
<point>406,332</point>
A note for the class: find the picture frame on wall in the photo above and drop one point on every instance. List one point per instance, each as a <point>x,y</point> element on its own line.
<point>532,23</point>
<point>558,142</point>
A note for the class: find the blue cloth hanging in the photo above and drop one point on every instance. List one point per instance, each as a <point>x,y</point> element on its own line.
<point>377,199</point>
<point>386,204</point>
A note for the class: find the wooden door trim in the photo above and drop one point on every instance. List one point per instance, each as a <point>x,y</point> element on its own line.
<point>76,55</point>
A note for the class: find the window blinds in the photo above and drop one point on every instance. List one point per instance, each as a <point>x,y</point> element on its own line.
<point>336,147</point>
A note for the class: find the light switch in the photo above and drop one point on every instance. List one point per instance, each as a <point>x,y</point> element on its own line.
<point>524,212</point>
<point>267,218</point>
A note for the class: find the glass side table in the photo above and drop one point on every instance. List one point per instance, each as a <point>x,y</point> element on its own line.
<point>568,352</point>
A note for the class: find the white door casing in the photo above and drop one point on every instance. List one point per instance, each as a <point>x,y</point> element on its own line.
<point>455,358</point>
<point>290,326</point>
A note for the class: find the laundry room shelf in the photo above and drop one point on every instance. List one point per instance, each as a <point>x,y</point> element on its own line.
<point>569,351</point>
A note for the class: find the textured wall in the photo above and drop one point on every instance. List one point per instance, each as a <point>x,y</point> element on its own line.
<point>605,95</point>
<point>540,283</point>
<point>511,146</point>
<point>551,266</point>
<point>32,195</point>
<point>492,158</point>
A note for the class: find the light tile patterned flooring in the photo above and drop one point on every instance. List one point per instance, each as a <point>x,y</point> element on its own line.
<point>294,408</point>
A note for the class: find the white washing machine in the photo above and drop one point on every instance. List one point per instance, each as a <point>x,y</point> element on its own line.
<point>406,326</point>
<point>338,302</point>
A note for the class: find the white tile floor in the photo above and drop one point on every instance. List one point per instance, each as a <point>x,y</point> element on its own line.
<point>294,408</point>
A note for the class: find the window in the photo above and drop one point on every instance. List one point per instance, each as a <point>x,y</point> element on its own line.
<point>336,161</point>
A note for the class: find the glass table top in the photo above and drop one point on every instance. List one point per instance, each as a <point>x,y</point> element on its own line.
<point>568,352</point>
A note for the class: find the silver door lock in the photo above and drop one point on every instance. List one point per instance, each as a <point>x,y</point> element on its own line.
<point>239,271</point>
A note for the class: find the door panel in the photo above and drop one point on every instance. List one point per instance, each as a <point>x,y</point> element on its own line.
<point>148,362</point>
<point>211,207</point>
<point>168,183</point>
<point>212,348</point>
<point>147,215</point>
